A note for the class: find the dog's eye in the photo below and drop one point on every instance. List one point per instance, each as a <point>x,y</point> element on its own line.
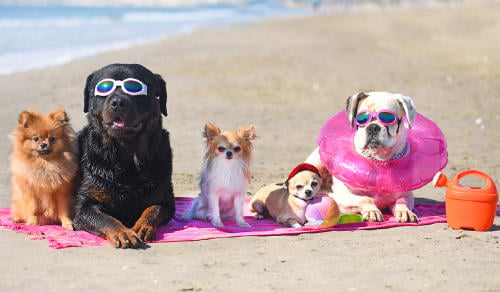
<point>299,187</point>
<point>237,149</point>
<point>35,139</point>
<point>51,139</point>
<point>221,149</point>
<point>314,184</point>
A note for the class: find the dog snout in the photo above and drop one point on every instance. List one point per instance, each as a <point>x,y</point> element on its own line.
<point>373,129</point>
<point>43,146</point>
<point>118,103</point>
<point>308,193</point>
<point>229,154</point>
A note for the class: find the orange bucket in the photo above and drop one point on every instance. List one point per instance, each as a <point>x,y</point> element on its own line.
<point>469,207</point>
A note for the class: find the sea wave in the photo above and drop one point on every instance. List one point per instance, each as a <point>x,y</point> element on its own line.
<point>53,22</point>
<point>197,16</point>
<point>42,58</point>
<point>38,37</point>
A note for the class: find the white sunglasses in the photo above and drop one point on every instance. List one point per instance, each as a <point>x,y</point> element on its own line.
<point>131,86</point>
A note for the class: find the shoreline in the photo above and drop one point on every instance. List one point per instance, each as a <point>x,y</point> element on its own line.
<point>287,77</point>
<point>49,29</point>
<point>327,9</point>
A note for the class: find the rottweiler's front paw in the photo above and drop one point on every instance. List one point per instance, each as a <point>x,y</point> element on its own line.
<point>124,238</point>
<point>145,230</point>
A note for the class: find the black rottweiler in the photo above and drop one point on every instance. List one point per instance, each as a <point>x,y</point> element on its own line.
<point>125,157</point>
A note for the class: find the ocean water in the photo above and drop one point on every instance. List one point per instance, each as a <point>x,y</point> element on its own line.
<point>38,37</point>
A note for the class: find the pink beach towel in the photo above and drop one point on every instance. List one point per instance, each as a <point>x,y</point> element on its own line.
<point>179,230</point>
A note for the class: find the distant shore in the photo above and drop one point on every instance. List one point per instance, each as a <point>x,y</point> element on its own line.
<point>329,5</point>
<point>150,3</point>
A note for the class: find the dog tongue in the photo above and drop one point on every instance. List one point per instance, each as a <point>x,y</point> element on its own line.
<point>119,123</point>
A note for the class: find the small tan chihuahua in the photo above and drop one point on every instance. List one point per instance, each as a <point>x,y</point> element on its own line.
<point>286,202</point>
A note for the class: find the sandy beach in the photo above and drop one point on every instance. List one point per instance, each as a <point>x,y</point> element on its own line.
<point>287,77</point>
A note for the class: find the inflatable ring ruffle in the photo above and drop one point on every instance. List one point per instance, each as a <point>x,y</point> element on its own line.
<point>427,156</point>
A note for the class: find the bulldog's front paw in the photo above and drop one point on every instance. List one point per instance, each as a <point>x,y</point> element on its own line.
<point>373,215</point>
<point>403,214</point>
<point>369,210</point>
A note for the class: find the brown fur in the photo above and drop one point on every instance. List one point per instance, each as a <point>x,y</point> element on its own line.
<point>282,202</point>
<point>43,183</point>
<point>326,179</point>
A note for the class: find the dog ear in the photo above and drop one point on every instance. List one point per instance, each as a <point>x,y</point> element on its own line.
<point>60,117</point>
<point>162,94</point>
<point>86,93</point>
<point>210,131</point>
<point>26,118</point>
<point>409,107</point>
<point>247,133</point>
<point>352,103</point>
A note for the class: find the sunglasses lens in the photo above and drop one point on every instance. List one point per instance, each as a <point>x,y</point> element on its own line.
<point>363,118</point>
<point>386,117</point>
<point>132,86</point>
<point>105,86</point>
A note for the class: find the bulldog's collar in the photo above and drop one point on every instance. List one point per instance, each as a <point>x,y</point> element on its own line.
<point>403,153</point>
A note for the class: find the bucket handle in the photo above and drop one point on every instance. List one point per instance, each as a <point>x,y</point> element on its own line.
<point>489,182</point>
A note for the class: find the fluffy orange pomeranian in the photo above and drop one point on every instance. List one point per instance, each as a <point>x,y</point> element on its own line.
<point>44,169</point>
<point>224,177</point>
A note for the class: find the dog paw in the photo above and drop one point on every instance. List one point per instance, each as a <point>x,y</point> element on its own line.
<point>258,216</point>
<point>32,221</point>
<point>217,224</point>
<point>243,224</point>
<point>17,220</point>
<point>124,238</point>
<point>372,216</point>
<point>186,217</point>
<point>405,216</point>
<point>145,231</point>
<point>67,223</point>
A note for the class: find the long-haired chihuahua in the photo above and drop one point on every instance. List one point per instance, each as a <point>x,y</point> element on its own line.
<point>224,177</point>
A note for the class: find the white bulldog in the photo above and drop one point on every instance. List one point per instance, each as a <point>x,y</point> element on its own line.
<point>380,135</point>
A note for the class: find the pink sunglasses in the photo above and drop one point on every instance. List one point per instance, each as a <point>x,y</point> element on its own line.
<point>386,117</point>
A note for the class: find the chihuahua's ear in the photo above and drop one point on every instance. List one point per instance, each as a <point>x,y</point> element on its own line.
<point>86,93</point>
<point>60,117</point>
<point>162,94</point>
<point>211,131</point>
<point>247,133</point>
<point>352,103</point>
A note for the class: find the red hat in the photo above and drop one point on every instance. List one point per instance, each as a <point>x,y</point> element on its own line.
<point>302,167</point>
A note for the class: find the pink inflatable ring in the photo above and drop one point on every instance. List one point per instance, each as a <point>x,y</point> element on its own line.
<point>427,156</point>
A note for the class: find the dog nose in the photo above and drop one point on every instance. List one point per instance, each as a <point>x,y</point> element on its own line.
<point>308,193</point>
<point>229,154</point>
<point>118,103</point>
<point>373,129</point>
<point>43,146</point>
